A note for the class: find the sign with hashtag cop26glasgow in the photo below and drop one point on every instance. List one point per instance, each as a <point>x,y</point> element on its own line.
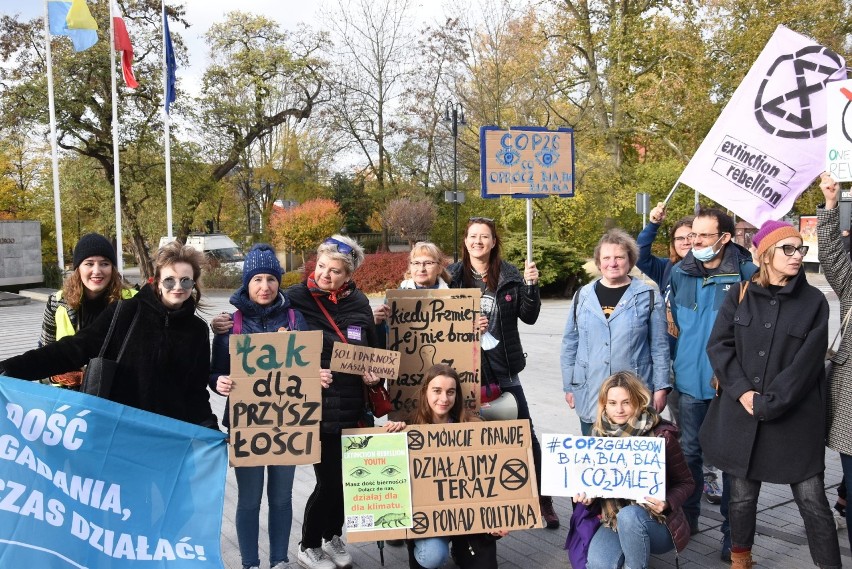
<point>526,162</point>
<point>768,144</point>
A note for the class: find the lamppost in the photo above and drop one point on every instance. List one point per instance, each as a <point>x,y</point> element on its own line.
<point>454,113</point>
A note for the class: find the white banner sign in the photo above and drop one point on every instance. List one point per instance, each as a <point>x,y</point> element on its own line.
<point>769,143</point>
<point>607,467</point>
<point>839,153</point>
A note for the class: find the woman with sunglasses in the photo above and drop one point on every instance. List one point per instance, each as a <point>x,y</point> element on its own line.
<point>507,296</point>
<point>86,292</point>
<point>166,349</point>
<point>332,303</point>
<point>767,421</point>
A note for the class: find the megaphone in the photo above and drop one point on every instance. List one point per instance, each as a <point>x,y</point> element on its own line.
<point>504,408</point>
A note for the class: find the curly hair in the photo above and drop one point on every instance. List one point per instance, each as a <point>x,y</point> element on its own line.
<point>73,288</point>
<point>177,252</point>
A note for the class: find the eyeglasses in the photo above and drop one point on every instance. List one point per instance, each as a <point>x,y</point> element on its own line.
<point>480,220</point>
<point>169,283</point>
<point>423,264</point>
<point>681,238</point>
<point>340,246</point>
<point>704,236</point>
<point>790,250</point>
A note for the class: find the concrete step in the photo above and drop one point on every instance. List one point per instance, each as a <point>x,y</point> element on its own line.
<point>39,294</point>
<point>12,299</point>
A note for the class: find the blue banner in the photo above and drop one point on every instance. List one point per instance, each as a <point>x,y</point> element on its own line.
<point>87,483</point>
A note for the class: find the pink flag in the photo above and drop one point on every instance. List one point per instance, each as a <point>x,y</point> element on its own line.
<point>769,143</point>
<point>122,44</point>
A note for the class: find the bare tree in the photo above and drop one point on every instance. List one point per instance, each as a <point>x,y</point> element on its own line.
<point>410,219</point>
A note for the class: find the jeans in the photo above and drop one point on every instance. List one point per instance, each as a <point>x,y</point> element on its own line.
<point>846,463</point>
<point>524,413</point>
<point>692,412</point>
<point>432,552</point>
<point>279,492</point>
<point>638,536</point>
<point>813,507</point>
<point>324,509</point>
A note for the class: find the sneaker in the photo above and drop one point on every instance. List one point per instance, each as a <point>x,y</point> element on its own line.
<point>315,558</point>
<point>839,520</point>
<point>712,490</point>
<point>548,513</point>
<point>335,549</point>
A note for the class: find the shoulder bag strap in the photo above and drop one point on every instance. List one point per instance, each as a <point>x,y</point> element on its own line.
<point>842,330</point>
<point>111,328</point>
<point>129,332</point>
<point>330,320</point>
<point>291,316</point>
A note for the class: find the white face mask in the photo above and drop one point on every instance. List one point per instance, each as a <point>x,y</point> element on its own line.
<point>707,253</point>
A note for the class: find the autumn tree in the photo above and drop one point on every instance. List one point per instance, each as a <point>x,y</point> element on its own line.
<point>303,227</point>
<point>410,219</point>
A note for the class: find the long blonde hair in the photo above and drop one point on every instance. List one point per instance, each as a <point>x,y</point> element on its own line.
<point>637,392</point>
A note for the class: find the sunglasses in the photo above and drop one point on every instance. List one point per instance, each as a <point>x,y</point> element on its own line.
<point>790,250</point>
<point>340,246</point>
<point>185,283</point>
<point>480,220</point>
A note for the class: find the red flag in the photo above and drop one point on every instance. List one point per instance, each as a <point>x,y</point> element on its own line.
<point>122,44</point>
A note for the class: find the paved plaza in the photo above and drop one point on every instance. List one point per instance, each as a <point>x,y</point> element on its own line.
<point>781,542</point>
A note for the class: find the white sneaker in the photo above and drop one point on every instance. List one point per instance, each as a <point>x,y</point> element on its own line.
<point>336,550</point>
<point>315,558</point>
<point>839,520</point>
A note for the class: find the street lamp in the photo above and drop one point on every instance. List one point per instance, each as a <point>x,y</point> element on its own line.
<point>454,113</point>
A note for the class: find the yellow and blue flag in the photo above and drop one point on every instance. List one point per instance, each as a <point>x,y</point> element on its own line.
<point>72,19</point>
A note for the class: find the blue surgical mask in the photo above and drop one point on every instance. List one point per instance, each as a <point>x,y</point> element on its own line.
<point>707,253</point>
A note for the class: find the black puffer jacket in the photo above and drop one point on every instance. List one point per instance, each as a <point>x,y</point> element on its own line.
<point>514,300</point>
<point>343,401</point>
<point>164,366</point>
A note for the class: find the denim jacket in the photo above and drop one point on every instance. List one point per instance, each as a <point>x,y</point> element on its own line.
<point>632,339</point>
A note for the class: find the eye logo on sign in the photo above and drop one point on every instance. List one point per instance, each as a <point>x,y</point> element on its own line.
<point>507,156</point>
<point>546,157</point>
<point>788,115</point>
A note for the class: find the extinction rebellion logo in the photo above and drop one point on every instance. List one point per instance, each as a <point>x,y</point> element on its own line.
<point>785,112</point>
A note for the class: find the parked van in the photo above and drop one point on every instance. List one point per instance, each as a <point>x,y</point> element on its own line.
<point>217,247</point>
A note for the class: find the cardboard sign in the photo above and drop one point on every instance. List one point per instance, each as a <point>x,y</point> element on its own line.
<point>839,141</point>
<point>275,404</point>
<point>427,327</point>
<point>376,484</point>
<point>606,467</point>
<point>526,162</point>
<point>808,230</point>
<point>349,358</point>
<point>466,478</point>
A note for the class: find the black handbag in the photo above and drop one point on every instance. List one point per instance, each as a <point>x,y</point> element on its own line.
<point>99,374</point>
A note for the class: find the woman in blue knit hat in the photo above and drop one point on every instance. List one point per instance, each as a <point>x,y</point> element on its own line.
<point>261,307</point>
<point>94,284</point>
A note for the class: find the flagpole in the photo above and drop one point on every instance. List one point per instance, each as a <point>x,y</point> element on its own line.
<point>115,153</point>
<point>167,141</point>
<point>57,210</point>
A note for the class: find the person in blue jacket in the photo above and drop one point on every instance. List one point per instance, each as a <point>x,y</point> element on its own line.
<point>261,307</point>
<point>616,323</point>
<point>658,269</point>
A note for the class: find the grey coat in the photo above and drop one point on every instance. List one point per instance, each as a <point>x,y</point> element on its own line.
<point>838,271</point>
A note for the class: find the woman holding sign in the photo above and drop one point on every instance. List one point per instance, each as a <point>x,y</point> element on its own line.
<point>767,421</point>
<point>261,307</point>
<point>629,531</point>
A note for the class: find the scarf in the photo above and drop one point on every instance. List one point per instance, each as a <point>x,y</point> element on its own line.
<point>334,295</point>
<point>640,426</point>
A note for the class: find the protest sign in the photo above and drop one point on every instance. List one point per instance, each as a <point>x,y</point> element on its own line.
<point>275,403</point>
<point>466,478</point>
<point>769,143</point>
<point>839,155</point>
<point>808,231</point>
<point>349,358</point>
<point>85,482</point>
<point>376,484</point>
<point>526,162</point>
<point>428,327</point>
<point>606,467</point>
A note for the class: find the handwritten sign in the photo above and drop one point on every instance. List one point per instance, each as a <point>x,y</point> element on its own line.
<point>349,358</point>
<point>466,478</point>
<point>376,484</point>
<point>839,140</point>
<point>276,401</point>
<point>527,162</point>
<point>427,327</point>
<point>607,467</point>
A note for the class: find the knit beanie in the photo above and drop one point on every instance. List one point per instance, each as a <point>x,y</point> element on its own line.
<point>261,260</point>
<point>93,245</point>
<point>770,233</point>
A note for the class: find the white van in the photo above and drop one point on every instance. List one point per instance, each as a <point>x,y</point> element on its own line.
<point>218,247</point>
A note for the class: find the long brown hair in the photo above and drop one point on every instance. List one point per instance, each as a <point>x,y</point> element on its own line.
<point>637,392</point>
<point>494,259</point>
<point>177,252</point>
<point>682,222</point>
<point>458,412</point>
<point>73,288</point>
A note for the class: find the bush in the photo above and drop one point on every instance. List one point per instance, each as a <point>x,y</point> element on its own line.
<point>291,278</point>
<point>560,267</point>
<point>229,278</point>
<point>380,271</point>
<point>52,275</point>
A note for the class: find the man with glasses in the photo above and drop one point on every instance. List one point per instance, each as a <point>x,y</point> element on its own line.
<point>699,283</point>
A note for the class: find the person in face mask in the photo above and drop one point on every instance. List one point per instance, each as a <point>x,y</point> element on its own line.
<point>699,284</point>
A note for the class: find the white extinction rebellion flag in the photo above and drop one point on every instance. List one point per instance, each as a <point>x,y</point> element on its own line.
<point>769,143</point>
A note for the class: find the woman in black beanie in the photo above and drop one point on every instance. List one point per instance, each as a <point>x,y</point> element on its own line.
<point>92,286</point>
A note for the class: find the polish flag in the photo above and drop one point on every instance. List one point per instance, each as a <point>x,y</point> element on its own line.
<point>122,44</point>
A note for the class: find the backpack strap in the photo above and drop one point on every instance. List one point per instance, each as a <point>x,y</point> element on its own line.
<point>291,316</point>
<point>238,323</point>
